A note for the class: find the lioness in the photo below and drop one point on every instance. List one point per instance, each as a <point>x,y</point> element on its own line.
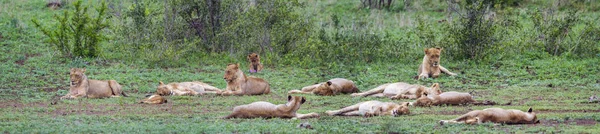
<point>496,115</point>
<point>255,65</point>
<point>154,99</point>
<point>263,109</point>
<point>400,90</point>
<point>81,86</point>
<point>185,88</point>
<point>372,108</point>
<point>450,98</point>
<point>331,87</point>
<point>431,64</point>
<point>239,84</point>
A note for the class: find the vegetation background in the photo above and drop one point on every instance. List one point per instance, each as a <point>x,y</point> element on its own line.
<point>534,53</point>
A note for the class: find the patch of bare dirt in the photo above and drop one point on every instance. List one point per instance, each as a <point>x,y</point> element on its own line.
<point>566,111</point>
<point>27,56</point>
<point>580,122</point>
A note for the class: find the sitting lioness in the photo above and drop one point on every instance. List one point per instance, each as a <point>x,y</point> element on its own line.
<point>154,99</point>
<point>331,87</point>
<point>263,109</point>
<point>81,86</point>
<point>450,98</point>
<point>255,65</point>
<point>239,84</point>
<point>185,88</point>
<point>401,90</point>
<point>431,64</point>
<point>372,108</point>
<point>496,115</point>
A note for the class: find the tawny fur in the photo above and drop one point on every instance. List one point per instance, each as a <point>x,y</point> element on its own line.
<point>185,88</point>
<point>81,86</point>
<point>332,87</point>
<point>255,65</point>
<point>372,108</point>
<point>239,84</point>
<point>495,115</point>
<point>430,67</point>
<point>448,98</point>
<point>401,90</point>
<point>263,109</point>
<point>154,99</point>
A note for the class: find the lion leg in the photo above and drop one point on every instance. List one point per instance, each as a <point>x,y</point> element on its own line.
<point>344,110</point>
<point>306,116</point>
<point>423,73</point>
<point>373,91</point>
<point>352,113</point>
<point>443,69</point>
<point>259,68</point>
<point>298,92</point>
<point>116,88</point>
<point>211,89</point>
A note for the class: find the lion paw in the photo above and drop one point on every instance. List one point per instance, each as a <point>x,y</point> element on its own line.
<point>330,113</point>
<point>423,76</point>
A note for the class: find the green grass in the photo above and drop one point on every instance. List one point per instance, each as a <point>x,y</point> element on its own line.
<point>32,76</point>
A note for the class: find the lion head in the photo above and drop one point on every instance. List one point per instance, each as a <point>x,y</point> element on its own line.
<point>324,89</point>
<point>532,114</point>
<point>253,58</point>
<point>433,56</point>
<point>232,72</point>
<point>434,89</point>
<point>77,76</point>
<point>163,89</point>
<point>401,110</point>
<point>424,100</point>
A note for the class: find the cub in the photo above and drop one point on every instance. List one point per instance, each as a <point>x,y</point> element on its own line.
<point>430,67</point>
<point>372,108</point>
<point>81,86</point>
<point>329,88</point>
<point>400,90</point>
<point>263,109</point>
<point>154,99</point>
<point>185,88</point>
<point>255,65</point>
<point>495,115</point>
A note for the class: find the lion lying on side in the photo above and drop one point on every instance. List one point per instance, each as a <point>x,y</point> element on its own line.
<point>239,84</point>
<point>154,99</point>
<point>185,88</point>
<point>81,86</point>
<point>495,115</point>
<point>263,109</point>
<point>449,98</point>
<point>431,64</point>
<point>400,90</point>
<point>372,108</point>
<point>329,88</point>
<point>255,65</point>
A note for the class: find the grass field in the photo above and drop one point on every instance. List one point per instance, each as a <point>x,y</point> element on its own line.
<point>32,77</point>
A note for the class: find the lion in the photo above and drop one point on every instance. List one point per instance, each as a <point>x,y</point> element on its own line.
<point>154,99</point>
<point>329,88</point>
<point>431,64</point>
<point>372,108</point>
<point>449,98</point>
<point>185,88</point>
<point>495,115</point>
<point>255,65</point>
<point>239,84</point>
<point>400,90</point>
<point>263,109</point>
<point>81,86</point>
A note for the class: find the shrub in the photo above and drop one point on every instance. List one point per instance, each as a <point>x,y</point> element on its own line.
<point>79,32</point>
<point>472,35</point>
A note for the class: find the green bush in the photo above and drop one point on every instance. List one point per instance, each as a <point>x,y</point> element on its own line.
<point>472,35</point>
<point>79,32</point>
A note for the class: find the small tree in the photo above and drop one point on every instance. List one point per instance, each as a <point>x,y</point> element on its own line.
<point>77,34</point>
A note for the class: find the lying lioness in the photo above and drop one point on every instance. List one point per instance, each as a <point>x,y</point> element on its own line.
<point>81,86</point>
<point>400,90</point>
<point>239,84</point>
<point>154,99</point>
<point>372,108</point>
<point>185,88</point>
<point>450,98</point>
<point>430,67</point>
<point>496,115</point>
<point>331,87</point>
<point>263,109</point>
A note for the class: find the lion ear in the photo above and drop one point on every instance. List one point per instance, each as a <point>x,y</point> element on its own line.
<point>328,83</point>
<point>530,110</point>
<point>424,94</point>
<point>289,97</point>
<point>426,51</point>
<point>303,100</point>
<point>406,104</point>
<point>160,83</point>
<point>83,70</point>
<point>438,48</point>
